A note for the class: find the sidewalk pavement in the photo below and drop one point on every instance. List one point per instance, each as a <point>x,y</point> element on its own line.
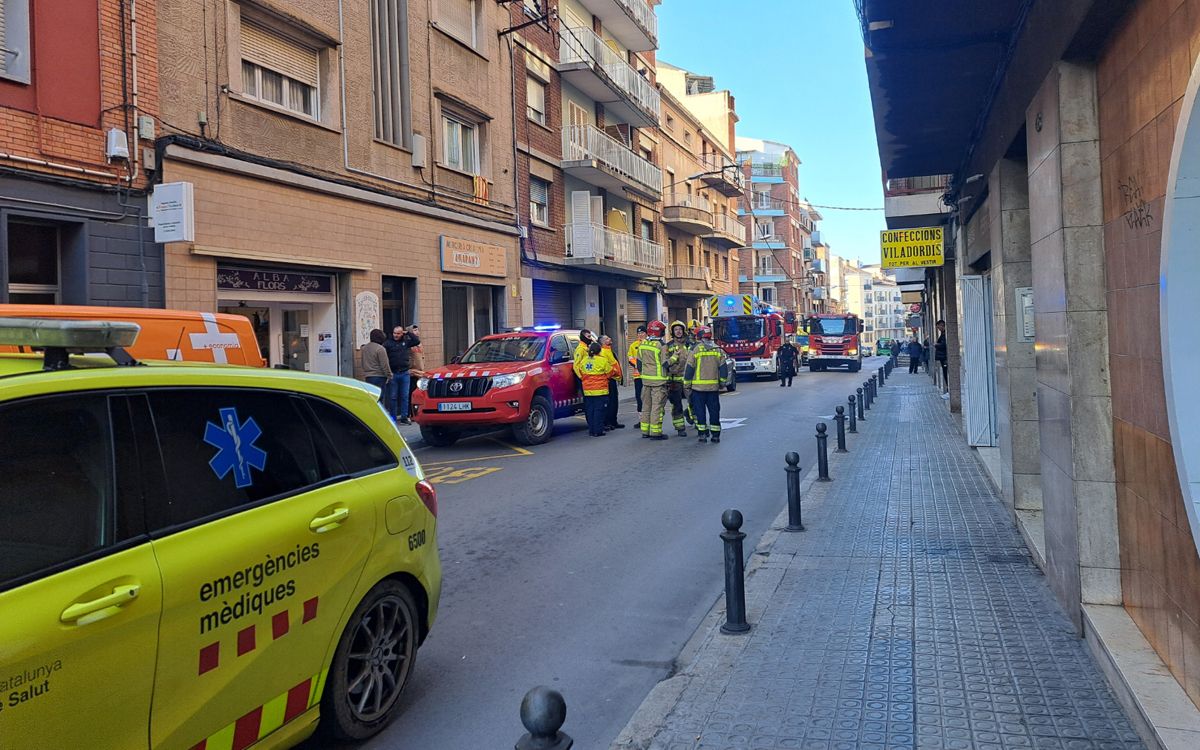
<point>908,615</point>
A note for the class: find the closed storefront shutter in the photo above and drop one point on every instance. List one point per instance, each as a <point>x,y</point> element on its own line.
<point>638,306</point>
<point>552,303</point>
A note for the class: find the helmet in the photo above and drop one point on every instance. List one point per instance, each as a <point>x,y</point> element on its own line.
<point>656,328</point>
<point>704,332</point>
<point>681,325</point>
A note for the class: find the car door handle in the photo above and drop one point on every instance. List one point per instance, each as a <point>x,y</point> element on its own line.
<point>321,524</point>
<point>82,613</point>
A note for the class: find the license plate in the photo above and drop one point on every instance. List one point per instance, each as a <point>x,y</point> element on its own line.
<point>744,366</point>
<point>455,406</point>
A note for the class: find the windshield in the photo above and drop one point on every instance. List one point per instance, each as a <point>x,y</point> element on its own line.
<point>831,326</point>
<point>738,329</point>
<point>506,349</point>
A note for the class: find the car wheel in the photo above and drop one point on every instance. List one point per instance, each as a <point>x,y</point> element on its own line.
<point>373,661</point>
<point>731,386</point>
<point>538,426</point>
<point>439,437</point>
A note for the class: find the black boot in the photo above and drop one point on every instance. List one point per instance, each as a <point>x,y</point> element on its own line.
<point>716,438</point>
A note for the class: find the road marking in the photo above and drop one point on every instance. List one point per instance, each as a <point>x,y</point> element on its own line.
<point>450,475</point>
<point>517,452</point>
<point>730,424</point>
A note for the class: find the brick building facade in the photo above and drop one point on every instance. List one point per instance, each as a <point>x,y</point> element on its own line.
<point>72,221</point>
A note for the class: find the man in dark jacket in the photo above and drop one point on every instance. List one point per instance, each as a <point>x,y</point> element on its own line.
<point>399,351</point>
<point>939,353</point>
<point>914,356</point>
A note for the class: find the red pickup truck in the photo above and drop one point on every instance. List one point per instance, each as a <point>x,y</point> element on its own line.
<point>523,379</point>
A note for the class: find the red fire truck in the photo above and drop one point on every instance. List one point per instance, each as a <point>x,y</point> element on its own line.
<point>833,341</point>
<point>750,331</point>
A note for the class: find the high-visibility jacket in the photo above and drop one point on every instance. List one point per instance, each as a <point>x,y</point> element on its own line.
<point>633,354</point>
<point>615,372</point>
<point>581,351</point>
<point>594,372</point>
<point>706,369</point>
<point>652,362</point>
<point>677,352</point>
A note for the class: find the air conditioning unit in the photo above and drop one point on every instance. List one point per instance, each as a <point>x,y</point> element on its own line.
<point>419,151</point>
<point>116,145</point>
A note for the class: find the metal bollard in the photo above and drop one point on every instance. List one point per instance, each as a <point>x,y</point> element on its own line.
<point>735,574</point>
<point>867,395</point>
<point>840,418</point>
<point>822,453</point>
<point>882,376</point>
<point>853,421</point>
<point>862,417</point>
<point>543,712</point>
<point>793,489</point>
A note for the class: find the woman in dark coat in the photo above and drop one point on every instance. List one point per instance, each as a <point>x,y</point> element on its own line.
<point>789,356</point>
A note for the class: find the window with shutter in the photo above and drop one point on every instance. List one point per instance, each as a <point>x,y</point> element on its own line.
<point>535,100</point>
<point>459,19</point>
<point>279,71</point>
<point>14,40</point>
<point>539,201</point>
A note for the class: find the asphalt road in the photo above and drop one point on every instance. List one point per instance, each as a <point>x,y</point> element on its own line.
<point>586,563</point>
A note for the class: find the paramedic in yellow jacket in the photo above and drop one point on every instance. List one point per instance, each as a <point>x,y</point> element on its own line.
<point>676,359</point>
<point>594,371</point>
<point>703,376</point>
<point>652,367</point>
<point>615,378</point>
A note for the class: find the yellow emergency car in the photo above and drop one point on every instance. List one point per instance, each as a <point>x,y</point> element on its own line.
<point>200,556</point>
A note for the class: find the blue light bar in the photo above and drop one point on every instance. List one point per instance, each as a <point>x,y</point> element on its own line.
<point>553,327</point>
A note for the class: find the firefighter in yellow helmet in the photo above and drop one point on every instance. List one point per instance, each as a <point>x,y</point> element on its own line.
<point>676,359</point>
<point>652,367</point>
<point>703,376</point>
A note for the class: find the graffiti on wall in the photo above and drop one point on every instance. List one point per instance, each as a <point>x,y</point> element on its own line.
<point>1136,211</point>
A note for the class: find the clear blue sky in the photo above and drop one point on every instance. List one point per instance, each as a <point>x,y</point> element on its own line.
<point>796,70</point>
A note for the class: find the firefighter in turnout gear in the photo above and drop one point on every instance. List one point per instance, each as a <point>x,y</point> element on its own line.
<point>652,367</point>
<point>676,360</point>
<point>703,375</point>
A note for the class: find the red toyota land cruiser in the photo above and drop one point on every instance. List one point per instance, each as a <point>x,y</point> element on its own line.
<point>523,378</point>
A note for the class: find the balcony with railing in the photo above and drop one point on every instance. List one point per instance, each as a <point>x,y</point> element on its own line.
<point>762,204</point>
<point>590,65</point>
<point>598,247</point>
<point>723,175</point>
<point>914,185</point>
<point>818,266</point>
<point>689,280</point>
<point>916,199</point>
<point>819,292</point>
<point>599,159</point>
<point>761,172</point>
<point>632,22</point>
<point>688,213</point>
<point>728,231</point>
<point>767,271</point>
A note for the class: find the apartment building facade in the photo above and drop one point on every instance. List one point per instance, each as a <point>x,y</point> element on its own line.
<point>587,112</point>
<point>778,229</point>
<point>78,115</point>
<point>352,167</point>
<point>699,212</point>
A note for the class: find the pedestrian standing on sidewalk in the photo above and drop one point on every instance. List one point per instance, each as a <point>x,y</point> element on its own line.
<point>614,378</point>
<point>652,365</point>
<point>399,351</point>
<point>703,377</point>
<point>586,338</point>
<point>788,358</point>
<point>593,371</point>
<point>633,368</point>
<point>925,355</point>
<point>940,356</point>
<point>375,367</point>
<point>915,355</point>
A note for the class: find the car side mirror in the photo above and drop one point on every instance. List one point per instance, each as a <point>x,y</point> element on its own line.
<point>456,359</point>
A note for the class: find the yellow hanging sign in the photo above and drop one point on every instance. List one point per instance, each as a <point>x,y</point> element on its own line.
<point>912,248</point>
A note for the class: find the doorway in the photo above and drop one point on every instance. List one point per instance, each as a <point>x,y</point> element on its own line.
<point>292,336</point>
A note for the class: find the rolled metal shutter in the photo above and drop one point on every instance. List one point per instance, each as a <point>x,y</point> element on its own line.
<point>552,303</point>
<point>979,390</point>
<point>270,50</point>
<point>637,305</point>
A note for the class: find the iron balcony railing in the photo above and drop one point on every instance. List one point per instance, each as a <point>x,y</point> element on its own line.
<point>913,185</point>
<point>692,273</point>
<point>598,242</point>
<point>724,168</point>
<point>761,202</point>
<point>643,14</point>
<point>583,45</point>
<point>587,142</point>
<point>766,170</point>
<point>729,226</point>
<point>698,202</point>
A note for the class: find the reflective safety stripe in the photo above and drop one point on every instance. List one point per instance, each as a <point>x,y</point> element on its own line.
<point>651,355</point>
<point>257,723</point>
<point>708,354</point>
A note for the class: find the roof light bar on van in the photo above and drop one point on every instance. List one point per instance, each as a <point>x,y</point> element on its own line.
<point>548,327</point>
<point>63,337</point>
